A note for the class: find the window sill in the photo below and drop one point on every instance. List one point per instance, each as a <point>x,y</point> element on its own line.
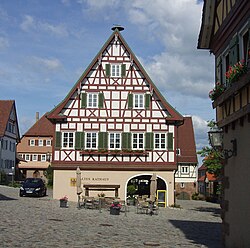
<point>119,153</point>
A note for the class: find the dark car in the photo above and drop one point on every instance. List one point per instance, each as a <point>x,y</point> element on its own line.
<point>33,187</point>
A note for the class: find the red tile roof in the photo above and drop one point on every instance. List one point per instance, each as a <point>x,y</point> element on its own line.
<point>211,177</point>
<point>186,142</point>
<point>43,127</point>
<point>5,110</point>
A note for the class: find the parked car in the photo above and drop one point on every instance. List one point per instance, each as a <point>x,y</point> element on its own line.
<point>33,187</point>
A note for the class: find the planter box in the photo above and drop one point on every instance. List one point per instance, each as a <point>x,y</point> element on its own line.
<point>114,211</point>
<point>63,204</point>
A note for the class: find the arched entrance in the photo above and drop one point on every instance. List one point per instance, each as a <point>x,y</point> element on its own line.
<point>139,186</point>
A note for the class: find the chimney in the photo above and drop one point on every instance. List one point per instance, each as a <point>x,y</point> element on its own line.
<point>37,116</point>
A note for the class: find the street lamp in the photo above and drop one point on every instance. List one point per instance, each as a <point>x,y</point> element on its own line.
<point>215,136</point>
<point>12,175</point>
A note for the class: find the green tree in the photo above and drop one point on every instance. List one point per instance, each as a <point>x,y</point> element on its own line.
<point>212,158</point>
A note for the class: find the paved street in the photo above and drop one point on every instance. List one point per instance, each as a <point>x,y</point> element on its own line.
<point>40,222</point>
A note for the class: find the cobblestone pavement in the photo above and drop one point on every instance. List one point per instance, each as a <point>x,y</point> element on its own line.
<point>40,222</point>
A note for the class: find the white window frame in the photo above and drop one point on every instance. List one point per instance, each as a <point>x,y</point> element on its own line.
<point>34,157</point>
<point>161,145</point>
<point>242,32</point>
<point>92,100</point>
<point>115,141</point>
<point>139,138</point>
<point>68,140</point>
<point>90,139</point>
<point>40,142</point>
<point>184,169</point>
<point>48,142</point>
<point>32,142</point>
<point>138,101</point>
<point>115,70</point>
<point>27,157</point>
<point>43,157</point>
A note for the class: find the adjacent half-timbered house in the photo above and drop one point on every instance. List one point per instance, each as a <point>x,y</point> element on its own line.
<point>225,32</point>
<point>116,126</point>
<point>9,137</point>
<point>35,149</point>
<point>186,174</point>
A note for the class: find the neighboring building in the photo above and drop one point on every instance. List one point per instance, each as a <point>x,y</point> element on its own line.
<point>186,175</point>
<point>208,184</point>
<point>35,149</point>
<point>225,32</point>
<point>117,127</point>
<point>9,137</point>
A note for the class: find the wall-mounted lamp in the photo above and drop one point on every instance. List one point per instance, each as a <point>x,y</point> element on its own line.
<point>215,136</point>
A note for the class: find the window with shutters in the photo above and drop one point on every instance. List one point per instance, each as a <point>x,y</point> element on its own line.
<point>48,142</point>
<point>40,142</point>
<point>32,142</point>
<point>91,141</point>
<point>138,141</point>
<point>160,141</point>
<point>115,70</point>
<point>27,157</point>
<point>138,101</point>
<point>68,140</point>
<point>115,141</point>
<point>92,100</point>
<point>43,157</point>
<point>34,157</point>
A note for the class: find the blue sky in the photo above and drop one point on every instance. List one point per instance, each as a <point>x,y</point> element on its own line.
<point>46,45</point>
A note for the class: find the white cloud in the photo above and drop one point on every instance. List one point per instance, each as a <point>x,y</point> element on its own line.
<point>47,63</point>
<point>30,24</point>
<point>200,130</point>
<point>97,4</point>
<point>4,43</point>
<point>173,24</point>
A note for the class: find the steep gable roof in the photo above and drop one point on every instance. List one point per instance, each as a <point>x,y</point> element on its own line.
<point>174,116</point>
<point>6,107</point>
<point>186,142</point>
<point>43,128</point>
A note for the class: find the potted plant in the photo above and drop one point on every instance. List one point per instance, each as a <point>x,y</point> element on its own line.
<point>64,202</point>
<point>115,208</point>
<point>131,191</point>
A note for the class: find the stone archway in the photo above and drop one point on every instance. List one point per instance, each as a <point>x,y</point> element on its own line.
<point>141,184</point>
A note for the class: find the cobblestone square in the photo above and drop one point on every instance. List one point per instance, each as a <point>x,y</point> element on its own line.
<point>40,222</point>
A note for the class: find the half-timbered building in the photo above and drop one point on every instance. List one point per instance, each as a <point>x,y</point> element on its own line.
<point>225,32</point>
<point>186,174</point>
<point>116,126</point>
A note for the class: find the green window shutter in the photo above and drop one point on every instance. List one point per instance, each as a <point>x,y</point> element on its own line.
<point>170,142</point>
<point>83,100</point>
<point>234,51</point>
<point>130,101</point>
<point>218,69</point>
<point>126,140</point>
<point>58,143</point>
<point>107,69</point>
<point>103,140</point>
<point>149,141</point>
<point>147,100</point>
<point>100,100</point>
<point>79,140</point>
<point>123,70</point>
